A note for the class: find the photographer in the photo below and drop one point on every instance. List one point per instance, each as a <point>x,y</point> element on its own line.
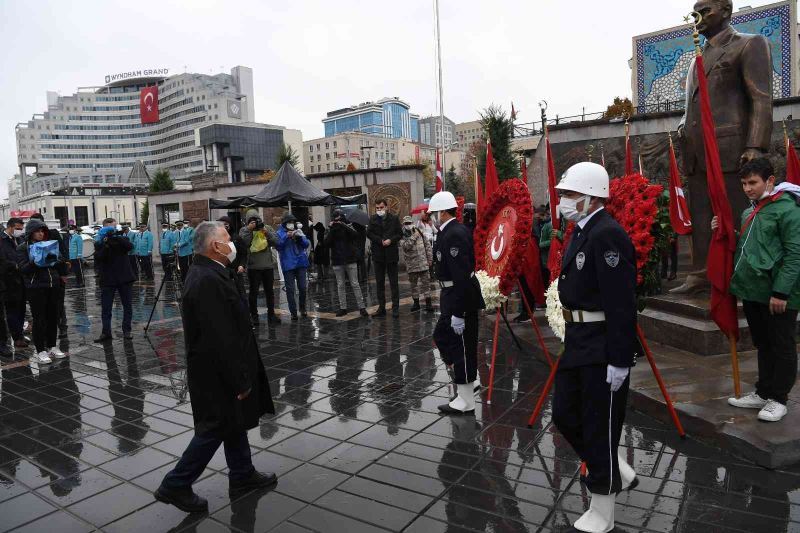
<point>342,241</point>
<point>43,283</point>
<point>259,239</point>
<point>292,245</point>
<point>116,275</point>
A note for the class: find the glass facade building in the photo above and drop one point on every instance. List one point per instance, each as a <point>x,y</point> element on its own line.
<point>389,117</point>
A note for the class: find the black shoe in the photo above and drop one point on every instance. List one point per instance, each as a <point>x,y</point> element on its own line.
<point>522,317</point>
<point>415,307</point>
<point>127,335</point>
<point>363,312</point>
<point>273,319</point>
<point>445,409</point>
<point>303,314</point>
<point>380,312</point>
<point>341,312</point>
<point>395,311</point>
<point>185,500</point>
<point>672,277</point>
<point>428,305</point>
<point>294,317</point>
<point>105,337</point>
<point>257,480</point>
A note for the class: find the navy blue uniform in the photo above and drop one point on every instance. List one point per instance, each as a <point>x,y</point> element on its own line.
<point>598,273</point>
<point>455,262</point>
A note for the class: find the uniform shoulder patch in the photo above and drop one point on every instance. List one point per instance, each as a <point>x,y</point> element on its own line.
<point>454,251</point>
<point>612,258</point>
<point>580,260</point>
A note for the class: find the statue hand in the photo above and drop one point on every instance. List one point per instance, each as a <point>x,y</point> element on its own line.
<point>750,154</point>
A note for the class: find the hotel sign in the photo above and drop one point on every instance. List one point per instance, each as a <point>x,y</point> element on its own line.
<point>145,73</point>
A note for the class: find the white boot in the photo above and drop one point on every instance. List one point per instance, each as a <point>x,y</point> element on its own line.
<point>476,385</point>
<point>627,474</point>
<point>600,516</point>
<point>464,402</point>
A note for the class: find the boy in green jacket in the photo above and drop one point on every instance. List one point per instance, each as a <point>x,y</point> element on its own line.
<point>765,278</point>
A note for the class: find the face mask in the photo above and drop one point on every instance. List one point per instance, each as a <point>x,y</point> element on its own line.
<point>299,225</point>
<point>435,218</point>
<point>72,232</point>
<point>380,212</point>
<point>568,208</point>
<point>231,255</point>
<point>290,226</point>
<point>18,233</point>
<point>407,228</point>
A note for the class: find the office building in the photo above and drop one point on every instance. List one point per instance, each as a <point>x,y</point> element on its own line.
<point>430,131</point>
<point>388,117</point>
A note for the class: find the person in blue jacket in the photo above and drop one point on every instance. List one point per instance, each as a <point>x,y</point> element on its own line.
<point>292,245</point>
<point>185,236</point>
<point>144,251</point>
<point>166,248</point>
<point>76,253</point>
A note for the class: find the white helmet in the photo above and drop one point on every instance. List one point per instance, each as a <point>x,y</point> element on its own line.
<point>586,178</point>
<point>442,201</point>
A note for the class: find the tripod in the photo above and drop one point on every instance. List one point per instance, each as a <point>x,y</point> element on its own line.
<point>174,270</point>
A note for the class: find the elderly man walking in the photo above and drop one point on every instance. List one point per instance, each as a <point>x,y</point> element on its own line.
<point>227,381</point>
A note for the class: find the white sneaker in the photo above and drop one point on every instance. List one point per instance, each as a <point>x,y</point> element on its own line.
<point>749,401</point>
<point>42,358</point>
<point>772,412</point>
<point>55,353</point>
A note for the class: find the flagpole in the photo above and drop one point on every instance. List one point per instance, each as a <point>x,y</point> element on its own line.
<point>441,92</point>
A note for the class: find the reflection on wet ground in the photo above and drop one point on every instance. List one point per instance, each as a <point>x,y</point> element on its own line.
<point>356,441</point>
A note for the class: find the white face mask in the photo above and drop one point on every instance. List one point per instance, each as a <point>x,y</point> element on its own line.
<point>72,232</point>
<point>568,208</point>
<point>299,225</point>
<point>290,226</point>
<point>231,255</point>
<point>380,212</point>
<point>18,233</point>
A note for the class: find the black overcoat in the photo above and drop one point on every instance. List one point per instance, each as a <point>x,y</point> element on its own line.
<point>381,229</point>
<point>222,353</point>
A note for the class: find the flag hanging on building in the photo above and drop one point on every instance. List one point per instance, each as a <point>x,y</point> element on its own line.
<point>723,241</point>
<point>492,181</point>
<point>148,105</point>
<point>628,151</point>
<point>439,180</point>
<point>792,162</point>
<point>554,257</point>
<point>678,210</point>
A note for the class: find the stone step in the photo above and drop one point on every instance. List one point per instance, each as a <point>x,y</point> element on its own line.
<point>690,332</point>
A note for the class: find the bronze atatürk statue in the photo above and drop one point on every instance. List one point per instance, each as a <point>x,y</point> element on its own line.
<point>739,71</point>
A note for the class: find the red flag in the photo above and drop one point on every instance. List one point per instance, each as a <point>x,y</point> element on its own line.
<point>553,258</point>
<point>678,210</point>
<point>628,152</point>
<point>492,181</point>
<point>439,181</point>
<point>792,163</point>
<point>148,105</point>
<point>532,271</point>
<point>723,242</point>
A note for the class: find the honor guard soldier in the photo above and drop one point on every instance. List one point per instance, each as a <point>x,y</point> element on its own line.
<point>456,332</point>
<point>597,288</point>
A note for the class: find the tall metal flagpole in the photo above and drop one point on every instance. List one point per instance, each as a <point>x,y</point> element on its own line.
<point>441,101</point>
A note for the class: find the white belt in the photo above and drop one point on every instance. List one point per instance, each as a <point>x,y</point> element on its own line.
<point>583,316</point>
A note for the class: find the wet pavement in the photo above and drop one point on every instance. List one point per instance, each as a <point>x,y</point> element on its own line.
<point>356,440</point>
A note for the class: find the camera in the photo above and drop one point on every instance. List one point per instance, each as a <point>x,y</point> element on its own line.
<point>259,225</point>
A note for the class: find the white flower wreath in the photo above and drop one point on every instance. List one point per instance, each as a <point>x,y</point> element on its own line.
<point>554,314</point>
<point>490,289</point>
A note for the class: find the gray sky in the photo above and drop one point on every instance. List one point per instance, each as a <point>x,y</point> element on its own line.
<point>312,56</point>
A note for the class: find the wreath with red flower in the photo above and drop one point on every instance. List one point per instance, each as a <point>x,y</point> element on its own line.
<point>509,205</point>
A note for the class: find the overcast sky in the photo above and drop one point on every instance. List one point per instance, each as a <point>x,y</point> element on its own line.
<point>311,56</point>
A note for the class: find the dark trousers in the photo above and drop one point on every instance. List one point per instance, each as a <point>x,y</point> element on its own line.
<point>590,417</point>
<point>45,309</point>
<point>184,262</point>
<point>166,264</point>
<point>15,315</point>
<point>77,269</point>
<point>146,264</point>
<point>257,278</point>
<point>774,337</point>
<point>459,351</point>
<point>3,327</point>
<point>381,270</point>
<point>200,451</point>
<point>669,260</point>
<point>107,304</point>
<point>134,265</point>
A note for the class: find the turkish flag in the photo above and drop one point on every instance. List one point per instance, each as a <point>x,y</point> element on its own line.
<point>439,182</point>
<point>554,257</point>
<point>148,105</point>
<point>678,210</point>
<point>792,164</point>
<point>723,242</point>
<point>492,181</point>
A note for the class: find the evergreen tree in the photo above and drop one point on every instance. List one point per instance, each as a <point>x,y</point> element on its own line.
<point>453,182</point>
<point>287,153</point>
<point>499,128</point>
<point>161,181</point>
<point>145,213</point>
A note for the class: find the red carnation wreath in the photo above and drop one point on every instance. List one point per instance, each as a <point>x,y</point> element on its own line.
<point>503,232</point>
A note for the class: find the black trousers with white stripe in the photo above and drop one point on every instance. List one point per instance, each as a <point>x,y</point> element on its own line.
<point>460,351</point>
<point>590,417</point>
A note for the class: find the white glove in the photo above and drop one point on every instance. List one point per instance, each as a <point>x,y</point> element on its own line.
<point>457,324</point>
<point>615,375</point>
<point>299,233</point>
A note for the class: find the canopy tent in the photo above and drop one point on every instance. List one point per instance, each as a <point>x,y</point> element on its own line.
<point>288,187</point>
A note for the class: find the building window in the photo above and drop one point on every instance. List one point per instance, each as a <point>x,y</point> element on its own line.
<point>328,166</point>
<point>319,157</point>
<point>327,145</point>
<point>310,147</point>
<point>334,144</point>
<point>327,155</point>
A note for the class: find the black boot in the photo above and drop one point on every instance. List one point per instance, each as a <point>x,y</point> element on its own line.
<point>415,307</point>
<point>363,312</point>
<point>341,312</point>
<point>429,305</point>
<point>184,499</point>
<point>380,312</point>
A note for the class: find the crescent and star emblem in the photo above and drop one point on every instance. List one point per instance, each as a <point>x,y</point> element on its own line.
<point>150,95</point>
<point>497,252</point>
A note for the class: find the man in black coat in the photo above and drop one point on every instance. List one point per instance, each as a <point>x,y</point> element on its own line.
<point>227,382</point>
<point>597,288</point>
<point>116,275</point>
<point>384,232</point>
<point>14,296</point>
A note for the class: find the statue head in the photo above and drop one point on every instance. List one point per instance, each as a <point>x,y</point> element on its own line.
<point>716,16</point>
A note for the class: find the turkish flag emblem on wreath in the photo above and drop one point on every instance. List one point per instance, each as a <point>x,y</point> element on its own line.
<point>148,105</point>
